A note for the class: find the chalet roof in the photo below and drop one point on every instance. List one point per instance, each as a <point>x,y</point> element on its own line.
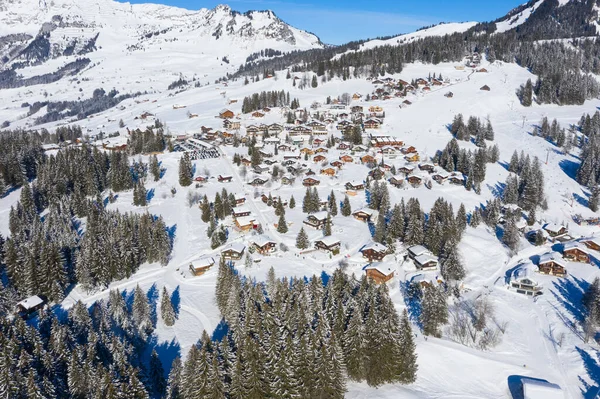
<point>235,247</point>
<point>329,241</point>
<point>524,271</point>
<point>356,183</point>
<point>594,240</point>
<point>552,257</point>
<point>538,389</point>
<point>241,209</point>
<point>245,220</point>
<point>382,268</point>
<point>575,245</point>
<point>31,302</point>
<point>375,246</point>
<point>224,110</point>
<point>417,250</point>
<point>239,196</point>
<point>553,228</point>
<point>319,215</point>
<point>367,211</point>
<point>262,240</point>
<point>425,258</point>
<point>206,261</point>
<point>427,277</point>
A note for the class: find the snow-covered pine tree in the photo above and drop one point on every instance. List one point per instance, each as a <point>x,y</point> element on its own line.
<point>167,311</point>
<point>302,239</point>
<point>292,202</point>
<point>451,266</point>
<point>434,310</point>
<point>282,226</point>
<point>332,204</point>
<point>327,228</point>
<point>140,311</point>
<point>154,168</point>
<point>346,207</point>
<point>185,170</point>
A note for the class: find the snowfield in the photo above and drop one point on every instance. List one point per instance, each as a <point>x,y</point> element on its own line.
<point>532,344</point>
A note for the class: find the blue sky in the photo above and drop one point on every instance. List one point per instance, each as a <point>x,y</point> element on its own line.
<point>338,22</point>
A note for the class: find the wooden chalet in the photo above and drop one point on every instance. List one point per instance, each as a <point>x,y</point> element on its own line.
<point>200,266</point>
<point>414,157</point>
<point>329,244</point>
<point>241,211</point>
<point>275,128</point>
<point>233,251</point>
<point>30,305</point>
<point>300,130</point>
<point>414,180</point>
<point>357,109</point>
<point>576,252</point>
<point>245,223</point>
<point>374,251</point>
<point>224,178</point>
<point>364,215</point>
<point>328,171</point>
<point>319,158</point>
<point>346,159</point>
<point>355,186</point>
<point>457,179</point>
<point>552,264</point>
<point>337,163</point>
<point>396,181</point>
<point>406,169</point>
<point>427,167</point>
<point>344,146</point>
<point>556,231</point>
<point>287,180</point>
<point>367,159</point>
<point>485,88</point>
<point>226,114</point>
<point>264,245</point>
<point>307,151</point>
<point>284,147</point>
<point>440,177</point>
<point>379,273</point>
<point>316,220</point>
<point>592,243</point>
<point>372,124</point>
<point>258,181</point>
<point>310,182</point>
<point>422,257</point>
<point>231,125</point>
<point>240,199</point>
<point>321,150</point>
<point>258,114</point>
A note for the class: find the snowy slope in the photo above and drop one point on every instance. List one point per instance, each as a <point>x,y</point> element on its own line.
<point>512,20</point>
<point>143,40</point>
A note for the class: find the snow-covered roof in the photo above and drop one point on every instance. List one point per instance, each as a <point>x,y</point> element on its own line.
<point>594,240</point>
<point>245,220</point>
<point>538,389</point>
<point>426,278</point>
<point>552,257</point>
<point>367,211</point>
<point>425,258</point>
<point>240,196</point>
<point>320,215</point>
<point>417,250</point>
<point>261,241</point>
<point>31,302</point>
<point>329,241</point>
<point>375,246</point>
<point>382,268</point>
<point>235,246</point>
<point>524,270</point>
<point>202,262</point>
<point>241,209</point>
<point>553,228</point>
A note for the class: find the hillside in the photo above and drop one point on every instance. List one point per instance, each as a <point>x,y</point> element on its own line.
<point>147,187</point>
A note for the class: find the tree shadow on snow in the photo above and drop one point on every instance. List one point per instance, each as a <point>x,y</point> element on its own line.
<point>176,300</point>
<point>583,201</point>
<point>503,164</point>
<point>167,351</point>
<point>569,292</point>
<point>592,367</point>
<point>149,195</point>
<point>498,189</point>
<point>221,331</point>
<point>172,232</point>
<point>152,296</point>
<point>569,167</point>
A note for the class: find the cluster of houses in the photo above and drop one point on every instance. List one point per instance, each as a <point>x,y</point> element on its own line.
<point>553,263</point>
<point>388,88</point>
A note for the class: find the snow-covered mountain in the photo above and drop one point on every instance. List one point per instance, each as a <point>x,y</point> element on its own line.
<point>35,32</point>
<point>550,19</point>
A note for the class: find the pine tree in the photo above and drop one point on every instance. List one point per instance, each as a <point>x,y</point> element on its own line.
<point>510,237</point>
<point>380,230</point>
<point>292,202</point>
<point>154,168</point>
<point>451,266</point>
<point>185,170</point>
<point>302,241</point>
<point>174,381</point>
<point>346,208</point>
<point>408,357</point>
<point>327,228</point>
<point>282,226</point>
<point>141,311</point>
<point>157,376</point>
<point>205,208</point>
<point>167,311</point>
<point>332,204</point>
<point>594,199</point>
<point>434,310</point>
